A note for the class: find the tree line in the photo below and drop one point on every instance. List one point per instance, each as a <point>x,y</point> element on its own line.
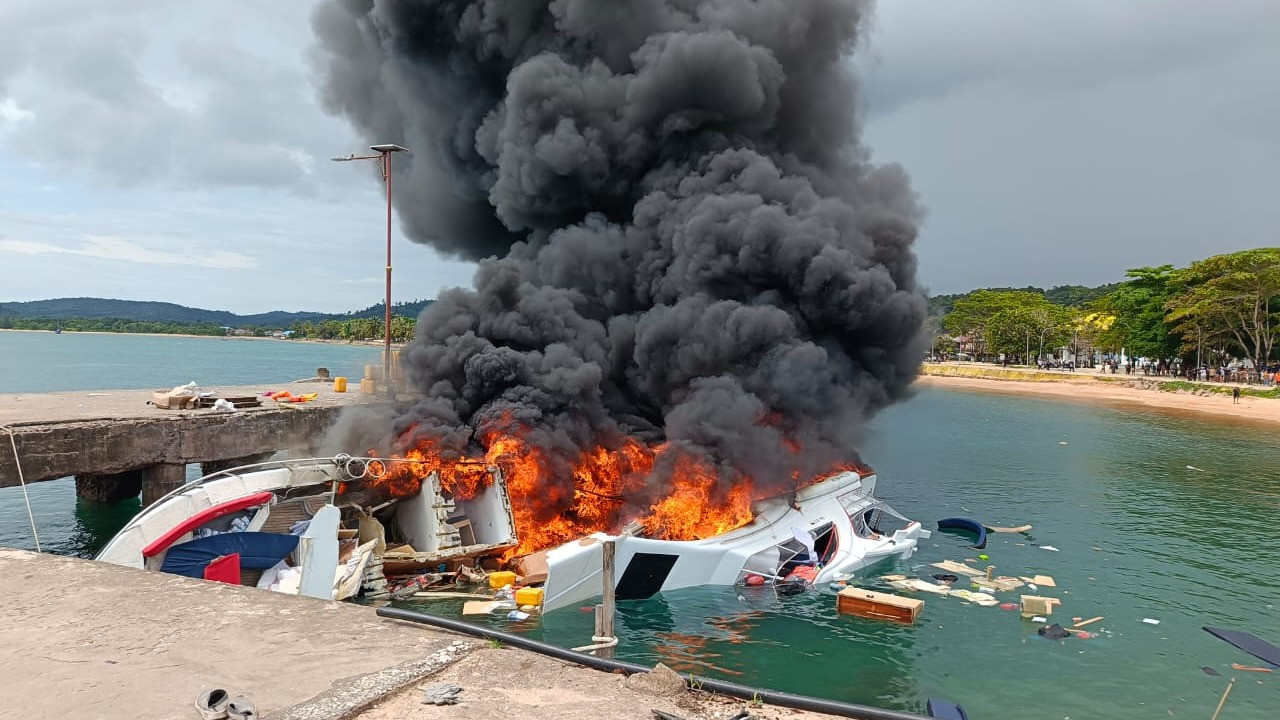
<point>113,325</point>
<point>365,328</point>
<point>367,324</point>
<point>1208,313</point>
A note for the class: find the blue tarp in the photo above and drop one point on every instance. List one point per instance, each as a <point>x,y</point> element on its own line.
<point>258,551</point>
<point>1249,643</point>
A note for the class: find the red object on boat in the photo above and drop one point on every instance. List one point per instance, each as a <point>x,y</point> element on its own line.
<point>753,581</point>
<point>806,573</point>
<point>163,542</point>
<point>225,569</point>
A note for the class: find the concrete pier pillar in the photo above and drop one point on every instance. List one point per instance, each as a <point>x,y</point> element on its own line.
<point>158,480</point>
<point>210,467</point>
<point>109,489</point>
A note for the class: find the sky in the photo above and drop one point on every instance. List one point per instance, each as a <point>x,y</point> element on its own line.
<point>154,150</point>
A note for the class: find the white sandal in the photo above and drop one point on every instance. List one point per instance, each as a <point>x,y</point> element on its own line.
<point>212,704</point>
<point>241,708</point>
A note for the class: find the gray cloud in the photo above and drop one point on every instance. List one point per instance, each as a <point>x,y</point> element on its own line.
<point>151,92</point>
<point>1064,142</point>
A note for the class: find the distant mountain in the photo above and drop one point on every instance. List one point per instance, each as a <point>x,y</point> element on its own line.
<point>139,311</point>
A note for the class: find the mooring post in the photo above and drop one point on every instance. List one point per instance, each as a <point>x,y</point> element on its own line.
<point>158,480</point>
<point>605,610</point>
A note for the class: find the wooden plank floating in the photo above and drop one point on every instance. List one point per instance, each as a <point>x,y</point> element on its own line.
<point>959,568</point>
<point>877,606</point>
<point>1033,605</point>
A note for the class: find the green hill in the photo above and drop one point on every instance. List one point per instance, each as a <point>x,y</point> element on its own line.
<point>170,313</point>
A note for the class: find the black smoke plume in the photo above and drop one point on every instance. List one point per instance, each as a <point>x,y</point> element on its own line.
<point>681,235</point>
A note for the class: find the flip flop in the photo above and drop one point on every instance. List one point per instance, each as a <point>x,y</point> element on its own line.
<point>241,708</point>
<point>212,704</point>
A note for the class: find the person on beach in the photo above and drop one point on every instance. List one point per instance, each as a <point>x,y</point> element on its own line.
<point>1235,396</point>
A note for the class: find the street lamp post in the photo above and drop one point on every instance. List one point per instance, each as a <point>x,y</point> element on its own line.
<point>1042,332</point>
<point>383,157</point>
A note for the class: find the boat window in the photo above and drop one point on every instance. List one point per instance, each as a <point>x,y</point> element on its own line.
<point>825,541</point>
<point>863,523</point>
<point>878,519</point>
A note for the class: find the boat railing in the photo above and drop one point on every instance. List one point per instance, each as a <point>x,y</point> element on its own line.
<point>341,461</point>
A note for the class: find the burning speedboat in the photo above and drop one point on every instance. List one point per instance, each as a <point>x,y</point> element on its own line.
<point>819,533</point>
<point>320,527</point>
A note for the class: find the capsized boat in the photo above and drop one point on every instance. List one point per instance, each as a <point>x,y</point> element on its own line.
<point>824,532</point>
<point>280,522</point>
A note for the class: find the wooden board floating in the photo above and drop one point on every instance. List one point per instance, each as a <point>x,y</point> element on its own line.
<point>1044,580</point>
<point>911,584</point>
<point>1003,584</point>
<point>959,568</point>
<point>878,606</point>
<point>1035,605</point>
<point>1019,529</point>
<point>478,607</point>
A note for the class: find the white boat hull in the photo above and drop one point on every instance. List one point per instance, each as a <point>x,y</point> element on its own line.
<point>646,566</point>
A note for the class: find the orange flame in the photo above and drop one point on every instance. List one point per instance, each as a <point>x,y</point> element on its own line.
<point>696,507</point>
<point>696,498</point>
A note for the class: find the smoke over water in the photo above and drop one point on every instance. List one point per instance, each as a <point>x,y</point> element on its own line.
<point>684,240</point>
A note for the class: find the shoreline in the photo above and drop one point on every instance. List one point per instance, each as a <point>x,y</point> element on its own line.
<point>1090,388</point>
<point>1081,387</point>
<point>318,341</point>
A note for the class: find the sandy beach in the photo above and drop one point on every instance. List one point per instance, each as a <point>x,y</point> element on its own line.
<point>1119,391</point>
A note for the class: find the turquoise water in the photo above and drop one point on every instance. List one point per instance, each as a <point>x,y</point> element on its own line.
<point>48,362</point>
<point>1139,535</point>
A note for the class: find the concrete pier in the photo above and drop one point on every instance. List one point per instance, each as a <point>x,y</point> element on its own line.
<point>117,445</point>
<point>80,639</point>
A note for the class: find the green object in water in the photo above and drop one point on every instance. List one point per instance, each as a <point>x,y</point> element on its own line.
<point>983,557</point>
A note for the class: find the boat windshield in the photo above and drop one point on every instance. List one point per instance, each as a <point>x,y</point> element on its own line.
<point>878,519</point>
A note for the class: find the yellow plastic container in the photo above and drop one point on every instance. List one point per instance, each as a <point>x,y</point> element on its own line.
<point>529,596</point>
<point>501,579</point>
<point>339,384</point>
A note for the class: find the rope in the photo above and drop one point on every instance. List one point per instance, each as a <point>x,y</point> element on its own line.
<point>18,464</point>
<point>601,643</point>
